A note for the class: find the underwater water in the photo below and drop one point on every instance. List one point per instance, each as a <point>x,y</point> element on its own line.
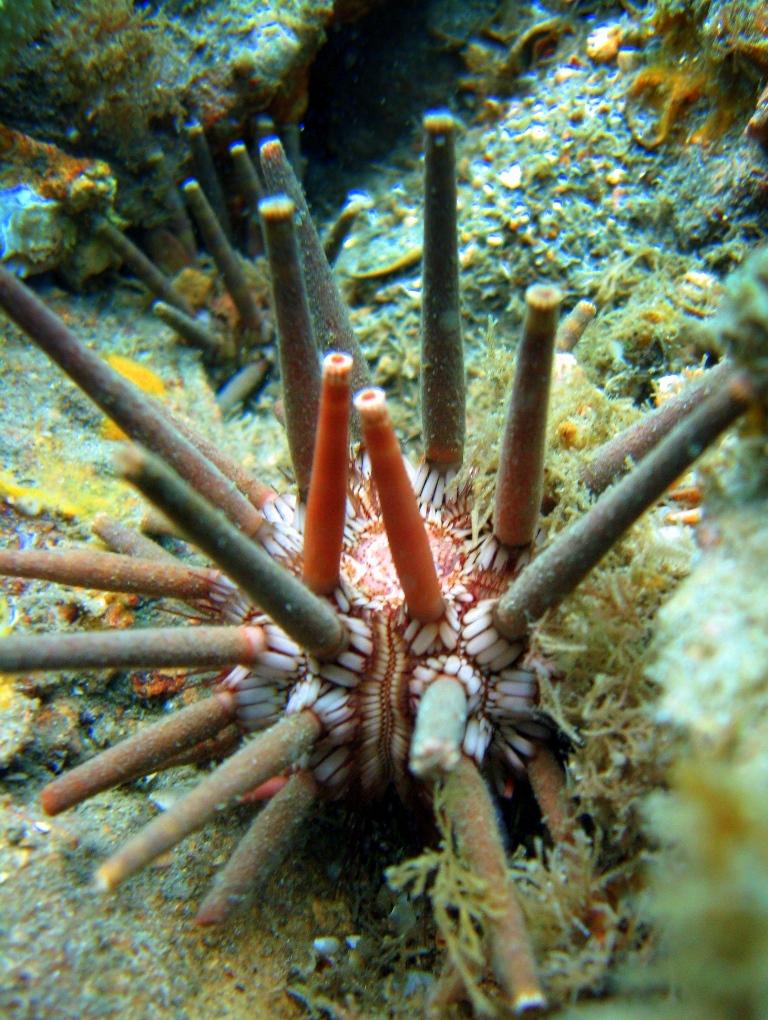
<point>600,147</point>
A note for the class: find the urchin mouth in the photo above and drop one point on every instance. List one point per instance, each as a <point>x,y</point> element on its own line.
<point>371,569</point>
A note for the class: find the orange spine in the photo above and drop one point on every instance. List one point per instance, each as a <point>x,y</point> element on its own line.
<point>404,525</point>
<point>327,499</point>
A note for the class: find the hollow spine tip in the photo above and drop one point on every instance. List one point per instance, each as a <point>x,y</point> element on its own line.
<point>542,299</point>
<point>371,405</point>
<point>337,368</point>
<point>271,149</point>
<point>439,122</point>
<point>528,999</point>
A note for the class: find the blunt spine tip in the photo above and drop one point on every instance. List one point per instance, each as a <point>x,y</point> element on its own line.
<point>543,297</point>
<point>103,881</point>
<point>270,149</point>
<point>529,1002</point>
<point>277,208</point>
<point>439,122</point>
<point>128,460</point>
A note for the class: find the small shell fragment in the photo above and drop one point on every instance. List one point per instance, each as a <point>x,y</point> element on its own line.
<point>326,946</point>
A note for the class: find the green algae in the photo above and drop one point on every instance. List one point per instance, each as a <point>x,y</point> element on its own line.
<point>462,903</point>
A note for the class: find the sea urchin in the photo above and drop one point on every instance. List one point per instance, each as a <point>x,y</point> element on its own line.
<point>362,630</point>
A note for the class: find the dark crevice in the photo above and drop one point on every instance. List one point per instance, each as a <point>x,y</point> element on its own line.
<point>369,88</point>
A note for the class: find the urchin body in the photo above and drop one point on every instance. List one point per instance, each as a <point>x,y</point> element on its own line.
<point>368,695</point>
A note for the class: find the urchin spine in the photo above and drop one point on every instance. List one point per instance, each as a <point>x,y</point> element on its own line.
<point>297,347</point>
<point>326,505</point>
<point>442,356</point>
<point>520,479</point>
<point>307,618</point>
<point>408,542</point>
<point>258,760</point>
<point>261,850</point>
<point>146,751</point>
<point>546,581</point>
